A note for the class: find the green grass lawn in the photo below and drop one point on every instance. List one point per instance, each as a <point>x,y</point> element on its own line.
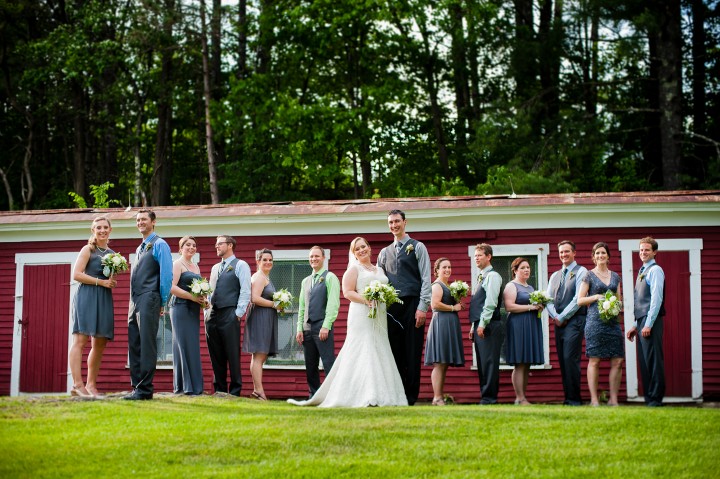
<point>220,437</point>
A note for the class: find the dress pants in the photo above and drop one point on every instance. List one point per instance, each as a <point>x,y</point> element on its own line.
<point>487,352</point>
<point>406,342</point>
<point>143,324</point>
<point>652,362</point>
<point>314,350</point>
<point>568,342</point>
<point>222,332</point>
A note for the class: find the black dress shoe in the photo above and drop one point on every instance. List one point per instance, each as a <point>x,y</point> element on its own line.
<point>136,396</point>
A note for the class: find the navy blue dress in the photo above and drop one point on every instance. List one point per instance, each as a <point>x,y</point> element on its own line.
<point>185,319</point>
<point>602,340</point>
<point>261,327</point>
<point>444,339</point>
<point>92,311</point>
<point>524,332</point>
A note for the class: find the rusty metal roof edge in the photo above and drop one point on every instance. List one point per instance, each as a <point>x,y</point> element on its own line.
<point>358,205</point>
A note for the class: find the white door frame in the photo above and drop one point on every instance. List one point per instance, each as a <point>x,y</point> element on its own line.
<point>628,248</point>
<point>21,260</point>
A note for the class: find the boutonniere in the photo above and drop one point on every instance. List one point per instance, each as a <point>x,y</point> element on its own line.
<point>641,277</point>
<point>321,279</point>
<point>409,248</point>
<point>572,274</point>
<point>148,247</point>
<point>229,268</point>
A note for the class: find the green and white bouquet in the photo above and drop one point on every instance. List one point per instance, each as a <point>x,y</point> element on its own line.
<point>380,293</point>
<point>200,287</point>
<point>609,307</point>
<point>459,289</point>
<point>113,263</point>
<point>540,297</point>
<point>283,299</point>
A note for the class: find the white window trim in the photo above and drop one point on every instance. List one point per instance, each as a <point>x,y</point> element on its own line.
<point>539,251</point>
<point>628,249</point>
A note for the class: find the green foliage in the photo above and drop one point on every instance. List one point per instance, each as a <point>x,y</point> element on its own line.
<point>210,436</point>
<point>101,197</point>
<point>343,98</point>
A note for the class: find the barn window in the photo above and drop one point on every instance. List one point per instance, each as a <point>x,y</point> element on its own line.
<point>503,256</point>
<point>289,269</point>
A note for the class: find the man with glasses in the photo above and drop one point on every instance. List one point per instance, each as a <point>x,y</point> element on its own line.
<point>230,281</point>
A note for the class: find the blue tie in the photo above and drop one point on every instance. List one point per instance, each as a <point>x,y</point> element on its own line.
<point>222,267</point>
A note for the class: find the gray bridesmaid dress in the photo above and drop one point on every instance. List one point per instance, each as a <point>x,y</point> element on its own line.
<point>92,311</point>
<point>261,327</point>
<point>185,319</point>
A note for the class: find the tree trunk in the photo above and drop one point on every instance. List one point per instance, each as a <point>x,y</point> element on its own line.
<point>79,147</point>
<point>212,167</point>
<point>162,168</point>
<point>669,42</point>
<point>524,58</point>
<point>242,39</point>
<point>462,88</point>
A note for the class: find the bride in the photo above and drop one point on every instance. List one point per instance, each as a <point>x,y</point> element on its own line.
<point>364,373</point>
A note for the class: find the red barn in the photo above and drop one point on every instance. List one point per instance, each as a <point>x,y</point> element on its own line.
<point>38,249</point>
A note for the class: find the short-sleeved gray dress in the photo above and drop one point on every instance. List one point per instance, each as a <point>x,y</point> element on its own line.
<point>444,339</point>
<point>524,332</point>
<point>92,310</point>
<point>261,327</point>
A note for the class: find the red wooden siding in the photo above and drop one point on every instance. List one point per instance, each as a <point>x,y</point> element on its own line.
<point>462,383</point>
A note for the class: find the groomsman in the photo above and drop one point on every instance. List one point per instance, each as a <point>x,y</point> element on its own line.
<point>649,314</point>
<point>318,308</point>
<point>150,282</point>
<point>407,265</point>
<point>569,320</point>
<point>230,280</point>
<point>487,331</point>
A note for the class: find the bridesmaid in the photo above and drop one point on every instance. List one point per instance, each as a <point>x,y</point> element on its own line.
<point>261,325</point>
<point>524,329</point>
<point>92,311</point>
<point>444,340</point>
<point>185,319</point>
<point>602,340</point>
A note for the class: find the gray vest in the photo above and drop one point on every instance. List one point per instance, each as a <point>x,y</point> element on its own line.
<point>227,288</point>
<point>642,297</point>
<point>145,274</point>
<point>402,269</point>
<point>317,299</point>
<point>567,293</point>
<point>477,304</point>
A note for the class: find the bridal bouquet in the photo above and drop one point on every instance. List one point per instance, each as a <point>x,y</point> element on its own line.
<point>609,307</point>
<point>459,289</point>
<point>540,297</point>
<point>380,293</point>
<point>200,287</point>
<point>283,299</point>
<point>113,263</point>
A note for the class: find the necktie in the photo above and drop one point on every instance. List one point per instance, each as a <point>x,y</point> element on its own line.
<point>222,267</point>
<point>562,278</point>
<point>398,247</point>
<point>314,279</point>
<point>642,268</point>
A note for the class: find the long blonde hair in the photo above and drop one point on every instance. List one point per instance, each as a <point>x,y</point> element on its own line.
<point>92,242</point>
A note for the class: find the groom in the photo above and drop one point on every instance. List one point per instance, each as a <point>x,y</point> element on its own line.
<point>407,265</point>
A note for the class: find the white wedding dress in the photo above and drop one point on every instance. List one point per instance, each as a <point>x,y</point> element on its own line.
<point>364,373</point>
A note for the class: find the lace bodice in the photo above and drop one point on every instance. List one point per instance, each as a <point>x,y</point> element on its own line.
<point>365,277</point>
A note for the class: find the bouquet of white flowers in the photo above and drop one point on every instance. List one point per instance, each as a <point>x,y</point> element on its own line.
<point>540,297</point>
<point>380,293</point>
<point>283,299</point>
<point>113,263</point>
<point>609,307</point>
<point>459,289</point>
<point>200,287</point>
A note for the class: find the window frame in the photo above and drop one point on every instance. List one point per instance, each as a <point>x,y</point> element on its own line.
<point>539,251</point>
